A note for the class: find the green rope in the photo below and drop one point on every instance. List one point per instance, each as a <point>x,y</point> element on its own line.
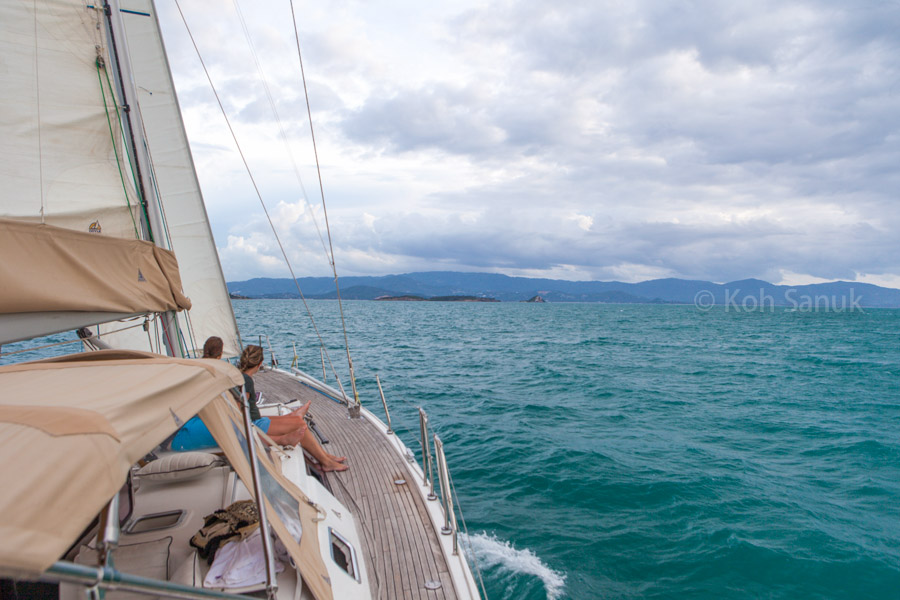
<point>179,335</point>
<point>134,180</point>
<point>112,137</point>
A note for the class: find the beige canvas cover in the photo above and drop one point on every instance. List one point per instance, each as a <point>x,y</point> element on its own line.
<point>225,423</point>
<point>55,269</point>
<point>70,429</point>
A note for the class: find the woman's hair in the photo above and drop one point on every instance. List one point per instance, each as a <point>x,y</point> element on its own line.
<point>212,348</point>
<point>250,357</point>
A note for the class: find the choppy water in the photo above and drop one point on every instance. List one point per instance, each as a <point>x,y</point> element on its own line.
<point>634,451</point>
<point>630,451</point>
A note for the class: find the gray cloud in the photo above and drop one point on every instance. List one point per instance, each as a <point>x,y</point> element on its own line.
<point>703,139</point>
<point>452,120</point>
<point>721,253</point>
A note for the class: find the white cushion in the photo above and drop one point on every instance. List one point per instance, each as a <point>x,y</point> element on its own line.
<point>147,559</point>
<point>179,466</point>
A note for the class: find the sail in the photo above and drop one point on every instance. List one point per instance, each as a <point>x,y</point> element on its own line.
<point>64,157</point>
<point>61,152</point>
<point>177,192</point>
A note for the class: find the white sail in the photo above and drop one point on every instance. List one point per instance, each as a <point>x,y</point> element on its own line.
<point>63,157</point>
<point>59,162</point>
<point>176,191</point>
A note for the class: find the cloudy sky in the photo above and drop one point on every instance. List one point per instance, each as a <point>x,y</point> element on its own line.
<point>624,140</point>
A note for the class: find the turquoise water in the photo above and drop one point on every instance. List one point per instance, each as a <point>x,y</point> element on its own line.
<point>633,451</point>
<point>641,451</point>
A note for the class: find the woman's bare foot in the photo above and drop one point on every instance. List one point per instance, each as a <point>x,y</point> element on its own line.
<point>301,412</point>
<point>333,466</point>
<point>340,459</point>
<point>293,438</point>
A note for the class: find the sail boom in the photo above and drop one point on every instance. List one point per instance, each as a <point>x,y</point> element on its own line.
<point>25,326</point>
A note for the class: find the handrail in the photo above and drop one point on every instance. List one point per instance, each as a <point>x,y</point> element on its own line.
<point>110,531</point>
<point>445,489</point>
<point>390,429</point>
<point>108,578</point>
<point>268,550</point>
<point>450,525</point>
<point>271,352</point>
<point>427,474</point>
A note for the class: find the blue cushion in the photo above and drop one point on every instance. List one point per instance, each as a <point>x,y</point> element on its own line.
<point>194,435</point>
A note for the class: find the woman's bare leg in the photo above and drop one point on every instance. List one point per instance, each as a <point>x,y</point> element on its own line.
<point>293,421</point>
<point>311,445</point>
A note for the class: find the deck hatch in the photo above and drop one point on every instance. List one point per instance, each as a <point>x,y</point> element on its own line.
<point>155,522</point>
<point>343,553</point>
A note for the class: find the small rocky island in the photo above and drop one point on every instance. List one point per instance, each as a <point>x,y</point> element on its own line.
<point>411,298</point>
<point>535,299</point>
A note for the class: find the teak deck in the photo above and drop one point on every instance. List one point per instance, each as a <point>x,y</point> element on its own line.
<point>402,551</point>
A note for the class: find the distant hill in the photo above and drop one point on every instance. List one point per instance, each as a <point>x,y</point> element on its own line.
<point>433,284</point>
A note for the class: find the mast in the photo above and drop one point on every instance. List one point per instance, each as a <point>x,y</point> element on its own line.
<point>174,202</point>
<point>151,216</point>
<point>140,163</point>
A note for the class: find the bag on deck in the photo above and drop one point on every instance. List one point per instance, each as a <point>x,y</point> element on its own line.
<point>236,522</point>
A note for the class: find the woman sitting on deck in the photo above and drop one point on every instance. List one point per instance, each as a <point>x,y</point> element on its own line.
<point>289,429</point>
<point>286,430</point>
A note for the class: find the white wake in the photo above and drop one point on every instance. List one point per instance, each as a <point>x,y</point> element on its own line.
<point>491,552</point>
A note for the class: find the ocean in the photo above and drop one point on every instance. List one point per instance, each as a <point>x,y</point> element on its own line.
<point>640,451</point>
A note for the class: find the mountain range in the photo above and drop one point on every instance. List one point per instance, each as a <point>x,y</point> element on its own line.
<point>747,293</point>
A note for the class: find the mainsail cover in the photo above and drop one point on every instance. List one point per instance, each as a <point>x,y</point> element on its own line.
<point>70,429</point>
<point>55,269</point>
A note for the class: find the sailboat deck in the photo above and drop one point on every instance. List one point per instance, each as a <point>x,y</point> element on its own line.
<point>402,551</point>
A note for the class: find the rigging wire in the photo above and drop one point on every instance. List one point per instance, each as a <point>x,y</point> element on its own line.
<point>329,252</point>
<point>255,186</point>
<point>281,131</point>
<point>324,209</point>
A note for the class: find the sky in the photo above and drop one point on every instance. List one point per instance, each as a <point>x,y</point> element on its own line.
<point>603,140</point>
